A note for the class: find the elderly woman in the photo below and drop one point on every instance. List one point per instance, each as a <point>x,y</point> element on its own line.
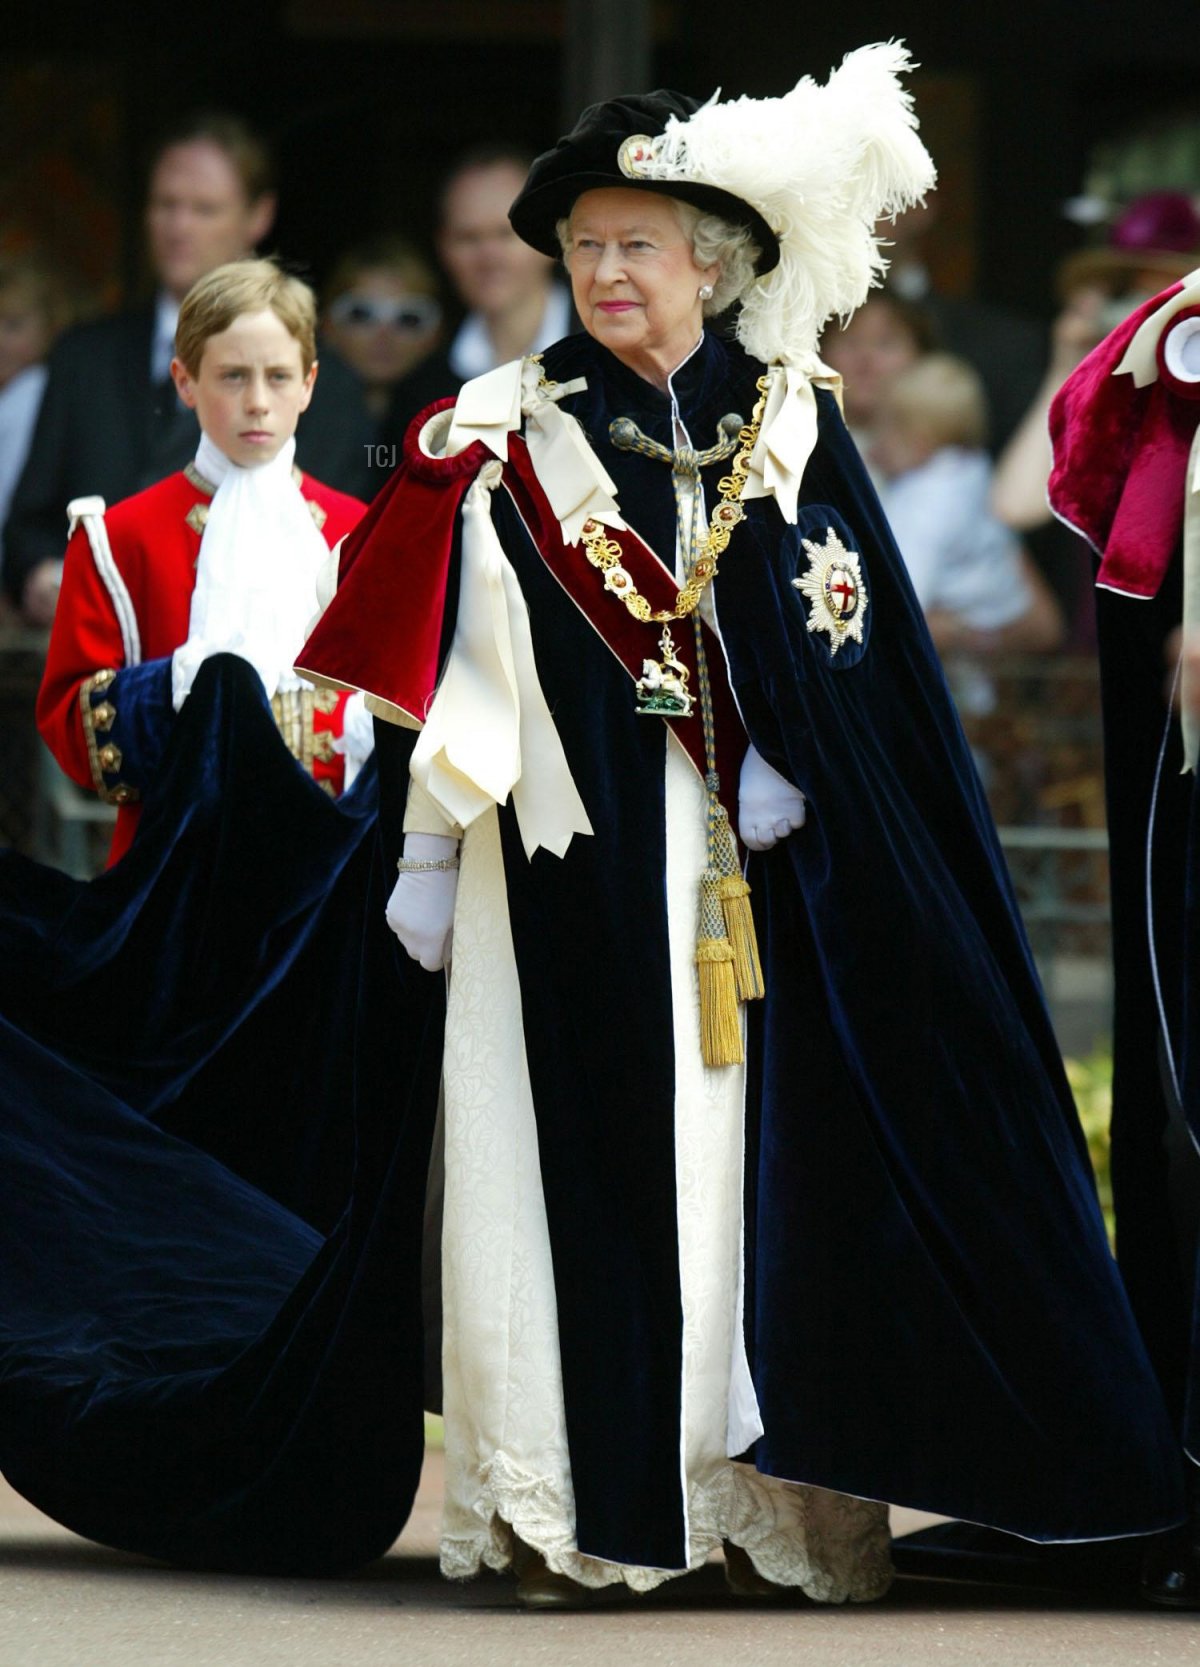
<point>760,1210</point>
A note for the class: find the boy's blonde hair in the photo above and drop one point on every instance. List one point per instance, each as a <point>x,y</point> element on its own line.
<point>245,286</point>
<point>942,397</point>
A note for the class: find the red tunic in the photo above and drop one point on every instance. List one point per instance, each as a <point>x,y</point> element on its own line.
<point>155,540</point>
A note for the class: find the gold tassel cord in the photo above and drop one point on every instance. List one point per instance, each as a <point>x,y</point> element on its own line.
<point>725,916</point>
<point>720,1018</point>
<point>727,958</point>
<point>739,926</point>
<point>732,894</point>
<point>739,917</point>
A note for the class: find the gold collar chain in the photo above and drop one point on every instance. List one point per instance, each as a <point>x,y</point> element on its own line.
<point>605,553</point>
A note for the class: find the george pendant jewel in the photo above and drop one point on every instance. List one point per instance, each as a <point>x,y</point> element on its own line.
<point>834,589</point>
<point>662,689</point>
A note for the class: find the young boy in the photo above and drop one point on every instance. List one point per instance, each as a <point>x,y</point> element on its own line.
<point>977,588</point>
<point>222,556</point>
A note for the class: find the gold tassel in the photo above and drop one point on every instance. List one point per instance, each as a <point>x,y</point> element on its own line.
<point>735,905</point>
<point>720,1021</point>
<point>720,1030</point>
<point>739,926</point>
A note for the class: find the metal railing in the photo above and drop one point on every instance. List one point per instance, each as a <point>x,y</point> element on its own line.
<point>1038,740</point>
<point>1033,724</point>
<point>42,812</point>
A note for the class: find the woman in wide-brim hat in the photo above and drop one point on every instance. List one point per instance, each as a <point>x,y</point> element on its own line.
<point>761,1210</point>
<point>1153,241</point>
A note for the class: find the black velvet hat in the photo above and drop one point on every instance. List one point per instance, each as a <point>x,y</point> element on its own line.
<point>588,158</point>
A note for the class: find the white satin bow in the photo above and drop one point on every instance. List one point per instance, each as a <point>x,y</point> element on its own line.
<point>489,732</point>
<point>568,470</point>
<point>788,433</point>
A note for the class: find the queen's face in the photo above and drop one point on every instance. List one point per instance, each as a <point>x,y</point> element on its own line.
<point>635,280</point>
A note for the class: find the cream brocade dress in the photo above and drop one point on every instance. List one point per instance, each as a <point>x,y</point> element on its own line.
<point>507,1465</point>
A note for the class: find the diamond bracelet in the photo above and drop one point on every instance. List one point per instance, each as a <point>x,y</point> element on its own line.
<point>429,865</point>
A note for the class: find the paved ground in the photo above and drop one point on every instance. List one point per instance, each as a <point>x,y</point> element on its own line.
<point>66,1603</point>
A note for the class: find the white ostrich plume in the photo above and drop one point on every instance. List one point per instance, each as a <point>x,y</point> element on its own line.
<point>821,165</point>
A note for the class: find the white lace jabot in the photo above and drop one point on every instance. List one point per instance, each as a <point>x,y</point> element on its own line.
<point>256,574</point>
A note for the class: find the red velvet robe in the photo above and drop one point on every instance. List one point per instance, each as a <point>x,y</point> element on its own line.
<point>155,539</point>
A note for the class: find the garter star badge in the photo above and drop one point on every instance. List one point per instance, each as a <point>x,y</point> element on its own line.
<point>636,156</point>
<point>834,590</point>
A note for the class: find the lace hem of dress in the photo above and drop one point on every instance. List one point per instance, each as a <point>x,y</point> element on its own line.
<point>834,1547</point>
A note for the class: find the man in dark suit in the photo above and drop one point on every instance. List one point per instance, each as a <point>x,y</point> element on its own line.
<point>110,422</point>
<point>510,298</point>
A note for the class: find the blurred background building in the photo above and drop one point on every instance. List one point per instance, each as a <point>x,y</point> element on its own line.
<point>366,101</point>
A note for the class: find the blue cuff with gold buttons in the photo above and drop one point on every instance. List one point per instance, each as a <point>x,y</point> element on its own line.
<point>127,716</point>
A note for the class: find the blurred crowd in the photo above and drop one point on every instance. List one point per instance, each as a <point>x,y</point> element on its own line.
<point>949,402</point>
<point>88,407</point>
<point>947,397</point>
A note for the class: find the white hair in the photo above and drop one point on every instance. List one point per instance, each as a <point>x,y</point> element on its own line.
<point>822,165</point>
<point>714,241</point>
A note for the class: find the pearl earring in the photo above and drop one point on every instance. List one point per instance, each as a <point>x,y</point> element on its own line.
<point>706,292</point>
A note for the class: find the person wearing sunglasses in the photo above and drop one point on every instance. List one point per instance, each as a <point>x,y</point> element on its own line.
<point>383,317</point>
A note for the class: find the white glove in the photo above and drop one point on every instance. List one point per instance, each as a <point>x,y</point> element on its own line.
<point>420,910</point>
<point>190,656</point>
<point>357,740</point>
<point>769,807</point>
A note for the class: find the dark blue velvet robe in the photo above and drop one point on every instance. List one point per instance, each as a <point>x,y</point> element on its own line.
<point>211,1182</point>
<point>934,1315</point>
<point>1154,836</point>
